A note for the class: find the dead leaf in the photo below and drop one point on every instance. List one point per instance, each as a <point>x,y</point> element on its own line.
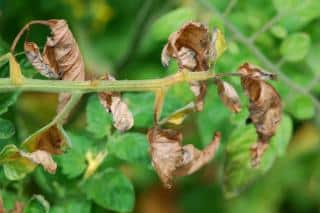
<point>40,63</point>
<point>194,159</point>
<point>199,89</point>
<point>50,138</point>
<point>122,116</point>
<point>170,158</point>
<point>265,106</point>
<point>228,95</point>
<point>61,56</point>
<point>43,158</point>
<point>166,152</point>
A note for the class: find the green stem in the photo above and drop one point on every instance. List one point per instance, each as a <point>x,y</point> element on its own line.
<point>63,115</point>
<point>57,86</point>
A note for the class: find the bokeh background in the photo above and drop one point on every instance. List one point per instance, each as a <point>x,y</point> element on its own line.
<point>126,38</point>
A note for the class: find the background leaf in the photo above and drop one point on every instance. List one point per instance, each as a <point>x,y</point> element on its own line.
<point>6,129</point>
<point>111,190</point>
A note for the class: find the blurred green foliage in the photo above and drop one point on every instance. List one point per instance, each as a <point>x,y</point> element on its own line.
<point>126,38</point>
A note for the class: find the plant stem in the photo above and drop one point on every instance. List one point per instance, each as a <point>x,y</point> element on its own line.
<point>57,86</point>
<point>63,115</point>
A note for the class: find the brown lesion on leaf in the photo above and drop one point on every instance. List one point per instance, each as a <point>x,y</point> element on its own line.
<point>265,106</point>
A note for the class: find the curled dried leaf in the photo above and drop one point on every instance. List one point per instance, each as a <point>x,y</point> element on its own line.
<point>46,67</point>
<point>199,89</point>
<point>265,106</point>
<point>194,159</point>
<point>228,95</point>
<point>170,158</point>
<point>43,158</point>
<point>190,45</point>
<point>51,139</point>
<point>61,56</point>
<point>122,116</point>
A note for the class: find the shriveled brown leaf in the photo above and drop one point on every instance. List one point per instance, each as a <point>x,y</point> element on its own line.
<point>190,45</point>
<point>199,89</point>
<point>122,116</point>
<point>228,95</point>
<point>43,158</point>
<point>194,159</point>
<point>39,62</point>
<point>51,139</point>
<point>265,106</point>
<point>171,159</point>
<point>61,56</point>
<point>2,210</point>
<point>166,152</point>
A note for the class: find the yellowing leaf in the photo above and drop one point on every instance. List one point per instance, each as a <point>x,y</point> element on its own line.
<point>220,44</point>
<point>15,71</point>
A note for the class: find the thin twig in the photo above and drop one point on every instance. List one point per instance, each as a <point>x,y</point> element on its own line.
<point>230,6</point>
<point>266,26</point>
<point>256,52</point>
<point>26,27</point>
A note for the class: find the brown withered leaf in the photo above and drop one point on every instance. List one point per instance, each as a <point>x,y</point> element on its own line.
<point>190,45</point>
<point>43,158</point>
<point>228,95</point>
<point>265,106</point>
<point>199,89</point>
<point>194,159</point>
<point>166,152</point>
<point>50,138</point>
<point>18,208</point>
<point>61,56</point>
<point>122,116</point>
<point>39,62</point>
<point>171,159</point>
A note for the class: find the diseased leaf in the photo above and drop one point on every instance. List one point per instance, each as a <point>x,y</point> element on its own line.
<point>122,117</point>
<point>228,95</point>
<point>37,204</point>
<point>111,190</point>
<point>98,119</point>
<point>176,118</point>
<point>61,56</point>
<point>265,107</point>
<point>6,129</point>
<point>51,138</point>
<point>43,158</point>
<point>171,159</point>
<point>15,71</point>
<point>15,166</point>
<point>45,64</point>
<point>199,90</point>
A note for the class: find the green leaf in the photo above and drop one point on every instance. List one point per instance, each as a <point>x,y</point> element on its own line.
<point>171,22</point>
<point>6,100</point>
<point>111,190</point>
<point>15,166</point>
<point>301,107</point>
<point>73,206</point>
<point>37,204</point>
<point>99,121</point>
<point>68,161</point>
<point>313,58</point>
<point>238,173</point>
<point>286,5</point>
<point>6,129</point>
<point>295,47</point>
<point>132,147</point>
<point>141,106</point>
